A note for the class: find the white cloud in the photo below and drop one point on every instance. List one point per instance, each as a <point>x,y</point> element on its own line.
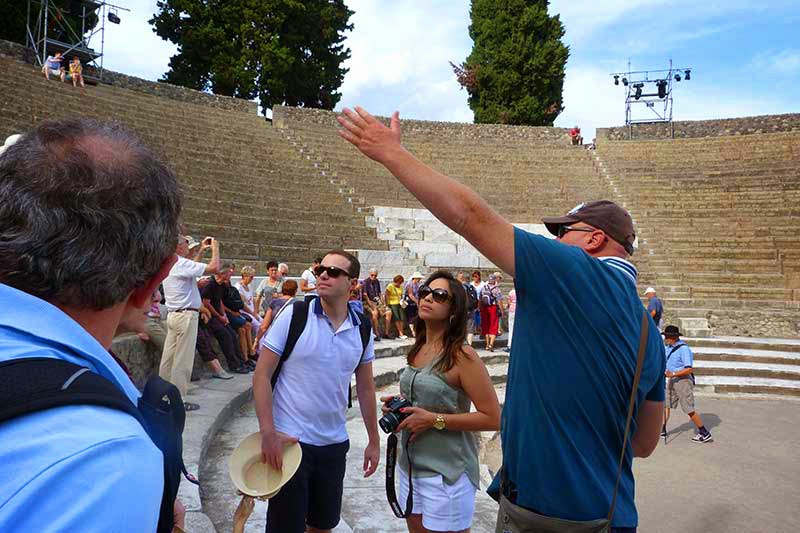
<point>783,62</point>
<point>131,47</point>
<point>400,58</point>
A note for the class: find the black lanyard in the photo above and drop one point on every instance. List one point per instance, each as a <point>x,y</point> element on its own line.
<point>391,461</point>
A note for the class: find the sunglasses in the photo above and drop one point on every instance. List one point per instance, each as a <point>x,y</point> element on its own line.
<point>563,230</point>
<point>439,295</point>
<point>333,272</point>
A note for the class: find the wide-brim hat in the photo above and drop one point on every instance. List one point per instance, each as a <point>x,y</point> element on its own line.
<point>257,479</point>
<point>416,275</point>
<point>671,331</point>
<point>605,215</point>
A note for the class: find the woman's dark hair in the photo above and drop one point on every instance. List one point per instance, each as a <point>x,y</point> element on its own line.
<point>457,327</point>
<point>289,287</point>
<point>476,273</point>
<point>398,279</point>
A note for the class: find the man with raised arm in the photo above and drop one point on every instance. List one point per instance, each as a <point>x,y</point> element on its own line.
<point>578,325</point>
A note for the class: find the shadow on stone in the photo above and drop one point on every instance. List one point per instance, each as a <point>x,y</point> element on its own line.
<point>710,421</point>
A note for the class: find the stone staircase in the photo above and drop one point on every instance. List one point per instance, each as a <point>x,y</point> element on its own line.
<point>717,219</point>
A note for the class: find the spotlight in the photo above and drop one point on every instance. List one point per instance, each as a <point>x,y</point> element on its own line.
<point>662,88</point>
<point>114,18</point>
<point>677,77</point>
<point>688,74</point>
<point>616,79</point>
<point>638,93</point>
<point>625,82</point>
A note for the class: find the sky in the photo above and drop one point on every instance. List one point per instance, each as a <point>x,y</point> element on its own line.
<point>744,55</point>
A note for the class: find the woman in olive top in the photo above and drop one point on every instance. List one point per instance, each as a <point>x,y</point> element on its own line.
<point>394,294</point>
<point>443,377</point>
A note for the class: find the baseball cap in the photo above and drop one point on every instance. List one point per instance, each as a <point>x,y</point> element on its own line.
<point>604,215</point>
<point>192,243</point>
<point>649,290</point>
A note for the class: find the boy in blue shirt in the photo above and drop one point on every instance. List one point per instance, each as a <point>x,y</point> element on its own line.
<point>680,383</point>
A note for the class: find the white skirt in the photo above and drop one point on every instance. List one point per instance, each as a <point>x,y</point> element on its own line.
<point>443,507</point>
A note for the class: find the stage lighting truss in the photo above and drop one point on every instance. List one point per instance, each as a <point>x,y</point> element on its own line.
<point>652,88</point>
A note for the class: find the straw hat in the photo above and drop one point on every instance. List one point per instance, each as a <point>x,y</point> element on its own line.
<point>257,479</point>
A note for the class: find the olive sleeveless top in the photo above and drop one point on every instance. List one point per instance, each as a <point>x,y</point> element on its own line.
<point>446,453</point>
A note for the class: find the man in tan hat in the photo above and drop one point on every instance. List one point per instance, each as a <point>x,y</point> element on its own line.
<point>578,327</point>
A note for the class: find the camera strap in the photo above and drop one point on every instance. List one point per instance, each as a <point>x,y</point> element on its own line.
<point>391,462</point>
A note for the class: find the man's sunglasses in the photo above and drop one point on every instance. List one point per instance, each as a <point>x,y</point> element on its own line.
<point>333,272</point>
<point>439,295</point>
<point>563,230</point>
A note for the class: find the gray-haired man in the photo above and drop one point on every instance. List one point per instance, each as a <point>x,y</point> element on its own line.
<point>88,226</point>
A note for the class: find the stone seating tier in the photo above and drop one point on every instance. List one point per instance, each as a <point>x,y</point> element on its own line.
<point>237,180</point>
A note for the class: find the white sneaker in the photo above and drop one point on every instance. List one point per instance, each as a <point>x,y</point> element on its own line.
<point>403,337</point>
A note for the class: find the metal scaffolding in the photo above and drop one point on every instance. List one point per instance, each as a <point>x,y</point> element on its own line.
<point>650,107</point>
<point>49,30</point>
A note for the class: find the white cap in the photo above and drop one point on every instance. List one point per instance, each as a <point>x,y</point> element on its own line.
<point>416,275</point>
<point>649,290</point>
<point>11,139</point>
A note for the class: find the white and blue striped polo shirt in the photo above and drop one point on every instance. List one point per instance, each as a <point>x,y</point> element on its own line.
<point>310,397</point>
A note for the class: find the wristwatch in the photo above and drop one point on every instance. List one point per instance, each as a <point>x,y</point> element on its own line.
<point>439,423</point>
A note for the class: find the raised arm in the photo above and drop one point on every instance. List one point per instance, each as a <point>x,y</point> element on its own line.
<point>456,205</point>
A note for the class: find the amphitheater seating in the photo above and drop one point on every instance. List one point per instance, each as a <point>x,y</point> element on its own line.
<point>241,181</point>
<point>719,220</point>
<point>524,179</point>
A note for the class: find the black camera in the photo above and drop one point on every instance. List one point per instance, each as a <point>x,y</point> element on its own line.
<point>394,417</point>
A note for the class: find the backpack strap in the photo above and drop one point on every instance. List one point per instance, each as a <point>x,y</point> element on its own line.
<point>38,383</point>
<point>296,327</point>
<point>365,328</point>
<point>643,336</point>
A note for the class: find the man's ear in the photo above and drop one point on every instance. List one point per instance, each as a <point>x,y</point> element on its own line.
<point>143,294</point>
<point>596,241</point>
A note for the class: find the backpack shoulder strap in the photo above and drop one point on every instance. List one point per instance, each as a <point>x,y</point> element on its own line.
<point>35,384</point>
<point>365,329</point>
<point>296,327</point>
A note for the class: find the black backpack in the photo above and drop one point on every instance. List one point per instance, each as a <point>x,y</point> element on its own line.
<point>472,297</point>
<point>232,299</point>
<point>34,384</point>
<point>298,324</point>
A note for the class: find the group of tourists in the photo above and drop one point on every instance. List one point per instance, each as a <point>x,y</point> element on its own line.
<point>586,373</point>
<point>54,66</point>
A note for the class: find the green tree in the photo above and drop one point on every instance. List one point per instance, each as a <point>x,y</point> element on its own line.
<point>515,72</point>
<point>15,20</point>
<point>281,51</point>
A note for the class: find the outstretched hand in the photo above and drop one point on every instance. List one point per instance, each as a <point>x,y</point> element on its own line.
<point>369,135</point>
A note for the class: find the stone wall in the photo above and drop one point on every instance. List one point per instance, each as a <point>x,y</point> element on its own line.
<point>143,358</point>
<point>704,128</point>
<point>283,117</point>
<point>166,90</point>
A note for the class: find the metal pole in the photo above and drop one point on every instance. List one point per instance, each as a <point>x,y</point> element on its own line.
<point>28,24</point>
<point>102,41</point>
<point>44,46</point>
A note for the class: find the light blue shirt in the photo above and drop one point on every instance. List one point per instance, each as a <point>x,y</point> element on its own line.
<point>73,468</point>
<point>679,356</point>
<point>310,397</point>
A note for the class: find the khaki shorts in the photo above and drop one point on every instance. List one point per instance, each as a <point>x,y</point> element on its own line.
<point>681,391</point>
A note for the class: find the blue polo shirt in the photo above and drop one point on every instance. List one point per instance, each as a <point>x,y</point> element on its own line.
<point>655,305</point>
<point>74,468</point>
<point>679,356</point>
<point>576,339</point>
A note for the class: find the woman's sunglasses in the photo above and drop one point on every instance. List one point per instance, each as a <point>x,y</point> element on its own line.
<point>439,295</point>
<point>333,272</point>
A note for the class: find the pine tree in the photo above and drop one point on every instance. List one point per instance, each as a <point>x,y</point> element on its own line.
<point>515,73</point>
<point>281,51</point>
